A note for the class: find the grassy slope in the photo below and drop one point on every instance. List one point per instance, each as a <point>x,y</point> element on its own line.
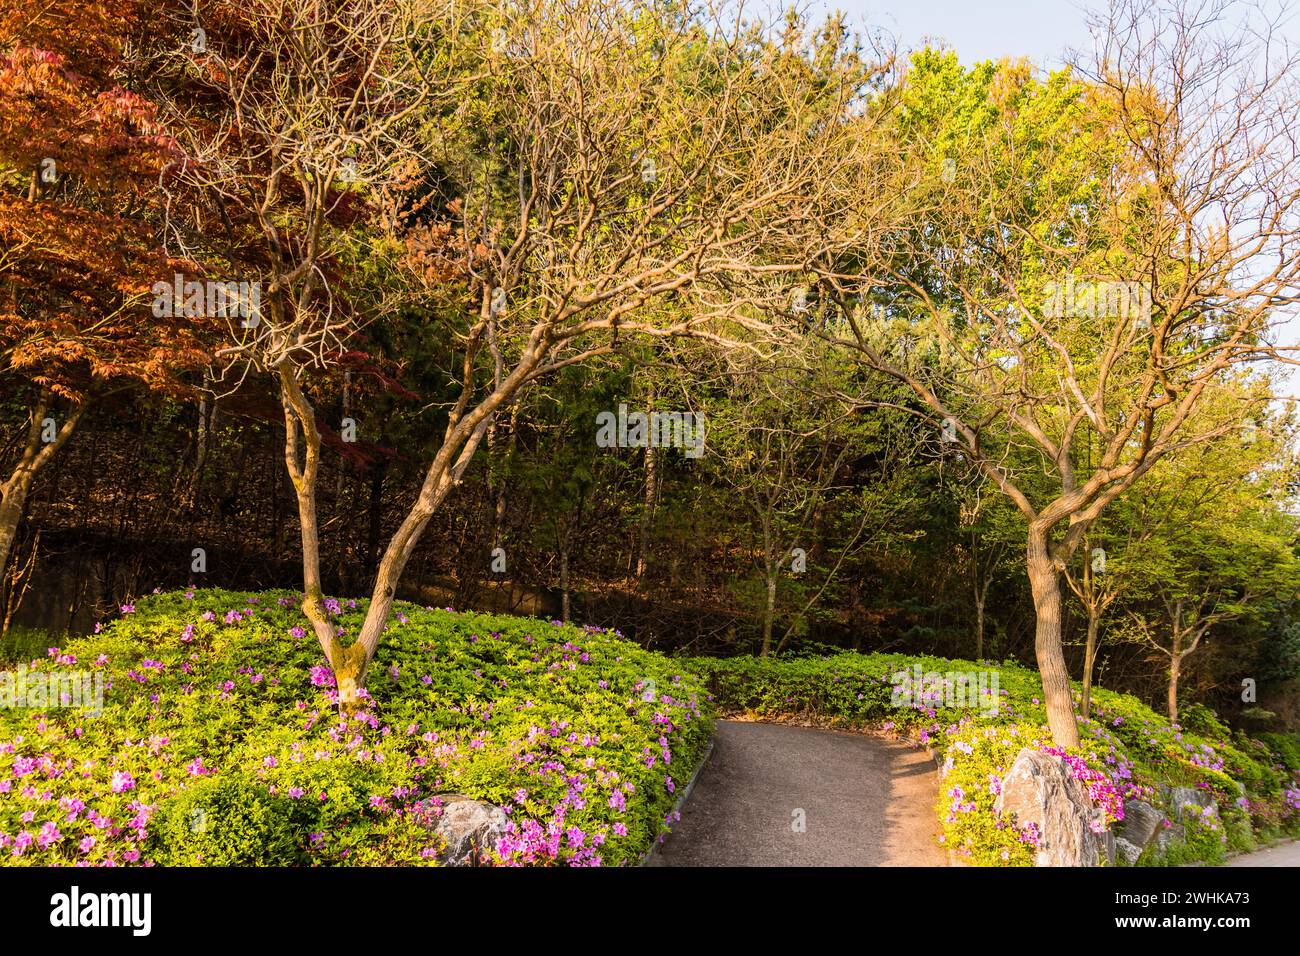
<point>581,735</point>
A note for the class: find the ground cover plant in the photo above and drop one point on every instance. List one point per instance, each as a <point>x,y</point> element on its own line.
<point>220,740</point>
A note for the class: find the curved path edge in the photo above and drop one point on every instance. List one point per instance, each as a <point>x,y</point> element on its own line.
<point>775,794</point>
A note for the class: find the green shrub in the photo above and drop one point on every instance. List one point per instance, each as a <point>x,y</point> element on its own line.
<point>228,821</point>
<point>1286,748</point>
<point>23,643</point>
<point>582,736</point>
<point>1202,721</point>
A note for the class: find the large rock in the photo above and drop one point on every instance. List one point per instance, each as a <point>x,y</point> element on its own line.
<point>1187,803</point>
<point>1179,797</point>
<point>1140,823</point>
<point>1126,851</point>
<point>1039,791</point>
<point>471,829</point>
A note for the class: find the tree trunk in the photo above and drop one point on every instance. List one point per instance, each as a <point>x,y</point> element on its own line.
<point>202,441</point>
<point>503,474</point>
<point>1045,582</point>
<point>564,577</point>
<point>36,452</point>
<point>769,609</point>
<point>374,526</point>
<point>13,498</point>
<point>1175,664</point>
<point>1089,660</point>
<point>979,628</point>
<point>647,516</point>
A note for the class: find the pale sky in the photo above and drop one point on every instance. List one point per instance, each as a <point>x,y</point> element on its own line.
<point>989,29</point>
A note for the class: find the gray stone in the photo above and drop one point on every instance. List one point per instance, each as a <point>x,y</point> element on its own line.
<point>1168,836</point>
<point>1126,851</point>
<point>1105,839</point>
<point>471,829</point>
<point>1181,796</point>
<point>1039,790</point>
<point>1140,823</point>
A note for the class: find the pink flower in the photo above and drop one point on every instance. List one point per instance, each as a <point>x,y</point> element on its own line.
<point>122,782</point>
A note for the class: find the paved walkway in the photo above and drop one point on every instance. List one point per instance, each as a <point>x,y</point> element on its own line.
<point>780,795</point>
<point>1284,854</point>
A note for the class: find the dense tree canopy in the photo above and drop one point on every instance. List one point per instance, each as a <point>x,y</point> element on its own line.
<point>983,360</point>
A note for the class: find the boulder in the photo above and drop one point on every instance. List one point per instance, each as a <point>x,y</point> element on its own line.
<point>1140,823</point>
<point>1178,797</point>
<point>471,829</point>
<point>1105,840</point>
<point>1039,791</point>
<point>1126,851</point>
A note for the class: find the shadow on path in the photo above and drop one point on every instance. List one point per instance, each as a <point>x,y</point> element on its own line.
<point>863,801</point>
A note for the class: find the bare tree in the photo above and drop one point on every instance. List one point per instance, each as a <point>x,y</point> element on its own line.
<point>1104,279</point>
<point>1096,587</point>
<point>633,156</point>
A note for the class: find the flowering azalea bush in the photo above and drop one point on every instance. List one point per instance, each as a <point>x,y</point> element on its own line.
<point>1127,751</point>
<point>220,742</point>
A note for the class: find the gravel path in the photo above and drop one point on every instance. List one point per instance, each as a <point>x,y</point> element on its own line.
<point>779,795</point>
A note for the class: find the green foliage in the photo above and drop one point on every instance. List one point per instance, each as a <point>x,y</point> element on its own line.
<point>1286,748</point>
<point>220,700</point>
<point>23,644</point>
<point>1199,719</point>
<point>228,821</point>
